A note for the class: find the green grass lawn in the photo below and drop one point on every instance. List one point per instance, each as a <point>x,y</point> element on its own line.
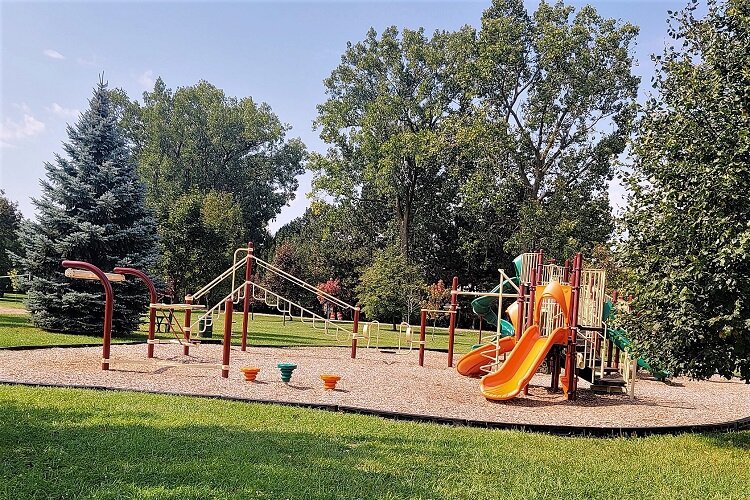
<point>12,301</point>
<point>94,444</point>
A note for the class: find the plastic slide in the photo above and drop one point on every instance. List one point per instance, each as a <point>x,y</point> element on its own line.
<point>471,363</point>
<point>521,365</point>
<point>486,306</point>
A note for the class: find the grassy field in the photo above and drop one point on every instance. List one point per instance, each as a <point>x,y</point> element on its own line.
<point>96,444</point>
<point>264,329</point>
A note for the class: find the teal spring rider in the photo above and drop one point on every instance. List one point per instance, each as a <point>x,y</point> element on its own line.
<point>286,371</point>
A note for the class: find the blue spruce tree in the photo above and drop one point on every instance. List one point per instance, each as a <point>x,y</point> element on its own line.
<point>91,209</point>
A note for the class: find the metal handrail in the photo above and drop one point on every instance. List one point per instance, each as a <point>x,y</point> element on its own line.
<point>316,317</point>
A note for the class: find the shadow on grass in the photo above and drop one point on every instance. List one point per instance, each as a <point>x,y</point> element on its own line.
<point>54,453</point>
<point>730,440</point>
<point>15,321</point>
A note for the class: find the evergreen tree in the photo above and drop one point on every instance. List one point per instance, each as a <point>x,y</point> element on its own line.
<point>91,209</point>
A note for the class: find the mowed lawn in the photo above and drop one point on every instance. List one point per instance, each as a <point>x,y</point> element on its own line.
<point>95,444</point>
<point>263,329</point>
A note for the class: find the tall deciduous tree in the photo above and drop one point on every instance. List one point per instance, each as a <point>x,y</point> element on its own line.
<point>196,140</point>
<point>10,219</point>
<point>555,98</point>
<point>92,208</point>
<point>688,242</point>
<point>199,237</point>
<point>386,103</point>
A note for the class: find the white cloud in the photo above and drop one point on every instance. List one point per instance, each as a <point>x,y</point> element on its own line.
<point>146,80</point>
<point>11,130</point>
<point>53,54</point>
<point>58,110</point>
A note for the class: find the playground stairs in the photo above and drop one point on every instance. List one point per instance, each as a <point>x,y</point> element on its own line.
<point>606,385</point>
<point>610,383</point>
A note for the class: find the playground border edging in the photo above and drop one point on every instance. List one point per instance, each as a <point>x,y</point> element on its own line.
<point>559,430</point>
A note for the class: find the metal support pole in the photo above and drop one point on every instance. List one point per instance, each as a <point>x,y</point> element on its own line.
<point>422,332</point>
<point>152,298</point>
<point>186,327</point>
<point>109,301</point>
<point>246,304</point>
<point>452,324</point>
<point>227,345</point>
<point>355,332</point>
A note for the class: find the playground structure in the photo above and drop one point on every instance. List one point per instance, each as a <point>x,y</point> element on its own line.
<point>559,309</point>
<point>241,292</point>
<point>557,314</point>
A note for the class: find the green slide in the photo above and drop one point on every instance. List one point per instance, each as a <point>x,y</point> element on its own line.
<point>486,307</point>
<point>621,340</point>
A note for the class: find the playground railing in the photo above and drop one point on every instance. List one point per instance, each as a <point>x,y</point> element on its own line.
<point>302,284</point>
<point>217,280</point>
<point>316,318</point>
<point>206,319</point>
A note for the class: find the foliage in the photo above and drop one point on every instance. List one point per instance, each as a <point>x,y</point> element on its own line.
<point>333,242</point>
<point>331,287</point>
<point>555,99</point>
<point>287,259</point>
<point>386,103</point>
<point>688,220</point>
<point>437,297</point>
<point>91,209</point>
<point>390,288</point>
<point>198,238</point>
<point>469,147</point>
<point>10,220</point>
<point>195,141</point>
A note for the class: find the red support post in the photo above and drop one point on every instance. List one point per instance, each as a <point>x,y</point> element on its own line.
<point>151,297</point>
<point>610,343</point>
<point>109,301</point>
<point>570,361</point>
<point>520,301</point>
<point>355,332</point>
<point>227,345</point>
<point>452,324</point>
<point>539,266</point>
<point>532,298</point>
<point>422,332</point>
<point>246,304</point>
<point>186,325</point>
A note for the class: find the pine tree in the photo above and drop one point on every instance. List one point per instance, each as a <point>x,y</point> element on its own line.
<point>91,209</point>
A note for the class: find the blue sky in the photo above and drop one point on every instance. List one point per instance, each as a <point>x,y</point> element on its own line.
<point>276,52</point>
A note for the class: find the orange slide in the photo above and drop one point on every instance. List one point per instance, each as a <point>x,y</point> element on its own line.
<point>522,364</point>
<point>471,363</point>
<point>530,350</point>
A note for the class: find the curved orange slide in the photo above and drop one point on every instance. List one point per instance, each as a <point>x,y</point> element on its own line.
<point>522,364</point>
<point>471,363</point>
